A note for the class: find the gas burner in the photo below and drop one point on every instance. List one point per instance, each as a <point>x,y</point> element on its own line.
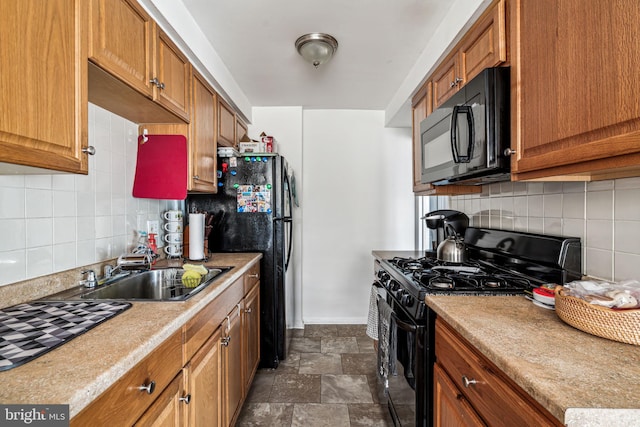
<point>442,282</point>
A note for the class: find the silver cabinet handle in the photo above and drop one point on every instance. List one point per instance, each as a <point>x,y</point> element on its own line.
<point>196,176</point>
<point>457,81</point>
<point>161,86</point>
<point>90,150</point>
<point>509,152</point>
<point>452,84</point>
<point>154,81</point>
<point>225,341</point>
<point>468,382</point>
<point>186,399</point>
<point>149,388</point>
<point>254,276</point>
<point>248,310</point>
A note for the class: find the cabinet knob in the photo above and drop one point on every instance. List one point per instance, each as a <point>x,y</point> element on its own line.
<point>196,176</point>
<point>225,341</point>
<point>186,399</point>
<point>253,276</point>
<point>90,150</point>
<point>452,84</point>
<point>468,382</point>
<point>149,388</point>
<point>457,81</point>
<point>248,310</point>
<point>161,86</point>
<point>154,81</point>
<point>509,152</point>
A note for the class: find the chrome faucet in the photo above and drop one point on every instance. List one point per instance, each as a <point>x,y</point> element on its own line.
<point>91,281</point>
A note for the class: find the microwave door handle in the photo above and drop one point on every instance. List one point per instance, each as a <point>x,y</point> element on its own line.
<point>466,110</point>
<point>454,134</point>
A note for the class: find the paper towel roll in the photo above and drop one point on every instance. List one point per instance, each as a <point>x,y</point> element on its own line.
<point>196,237</point>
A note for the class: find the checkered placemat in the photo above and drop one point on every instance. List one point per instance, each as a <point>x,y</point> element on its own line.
<point>30,330</point>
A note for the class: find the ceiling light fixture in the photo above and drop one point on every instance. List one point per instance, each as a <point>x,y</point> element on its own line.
<point>316,48</point>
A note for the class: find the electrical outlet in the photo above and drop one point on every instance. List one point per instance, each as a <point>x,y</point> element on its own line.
<point>153,227</point>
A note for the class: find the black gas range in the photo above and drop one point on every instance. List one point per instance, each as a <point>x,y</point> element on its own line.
<point>500,263</point>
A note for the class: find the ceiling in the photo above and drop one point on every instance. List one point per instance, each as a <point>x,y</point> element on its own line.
<point>379,43</point>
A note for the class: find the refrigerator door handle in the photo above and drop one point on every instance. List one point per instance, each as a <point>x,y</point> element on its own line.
<point>289,222</point>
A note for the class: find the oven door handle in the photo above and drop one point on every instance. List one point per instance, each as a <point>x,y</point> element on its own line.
<point>403,325</point>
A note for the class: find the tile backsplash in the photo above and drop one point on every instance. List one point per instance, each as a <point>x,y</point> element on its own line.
<point>604,214</point>
<point>54,222</point>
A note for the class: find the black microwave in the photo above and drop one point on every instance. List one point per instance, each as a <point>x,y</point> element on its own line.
<point>464,140</point>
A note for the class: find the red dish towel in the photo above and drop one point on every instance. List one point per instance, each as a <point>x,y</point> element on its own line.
<point>161,169</point>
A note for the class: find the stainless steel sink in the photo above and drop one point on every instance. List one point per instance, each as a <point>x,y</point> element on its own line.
<point>163,284</point>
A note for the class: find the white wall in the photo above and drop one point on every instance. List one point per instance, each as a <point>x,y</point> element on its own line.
<point>285,123</point>
<point>357,197</point>
<point>604,214</point>
<point>52,223</point>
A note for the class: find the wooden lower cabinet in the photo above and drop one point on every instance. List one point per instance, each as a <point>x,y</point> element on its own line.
<point>168,409</point>
<point>470,389</point>
<point>204,384</point>
<point>451,408</point>
<point>199,376</point>
<point>251,334</point>
<point>232,365</point>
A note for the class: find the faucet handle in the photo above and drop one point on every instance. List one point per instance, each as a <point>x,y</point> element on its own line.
<point>91,281</point>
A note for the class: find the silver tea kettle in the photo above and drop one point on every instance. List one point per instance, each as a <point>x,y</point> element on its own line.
<point>452,249</point>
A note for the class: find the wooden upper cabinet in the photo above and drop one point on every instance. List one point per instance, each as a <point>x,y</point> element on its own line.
<point>43,85</point>
<point>575,107</point>
<point>226,124</point>
<point>121,42</point>
<point>173,76</point>
<point>241,129</point>
<point>202,143</point>
<point>483,46</point>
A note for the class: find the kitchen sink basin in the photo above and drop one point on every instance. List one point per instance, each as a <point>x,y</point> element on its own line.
<point>164,284</point>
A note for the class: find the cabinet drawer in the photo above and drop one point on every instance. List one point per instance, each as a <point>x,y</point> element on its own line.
<point>497,399</point>
<point>251,277</point>
<point>123,403</point>
<point>202,325</point>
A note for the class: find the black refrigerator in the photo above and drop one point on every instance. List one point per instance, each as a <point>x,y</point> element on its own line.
<point>252,213</point>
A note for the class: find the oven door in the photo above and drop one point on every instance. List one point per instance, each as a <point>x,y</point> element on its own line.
<point>406,390</point>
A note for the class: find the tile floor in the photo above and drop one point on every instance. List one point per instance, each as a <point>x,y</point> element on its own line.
<point>328,379</point>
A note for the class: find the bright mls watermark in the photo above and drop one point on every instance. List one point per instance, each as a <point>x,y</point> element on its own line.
<point>34,415</point>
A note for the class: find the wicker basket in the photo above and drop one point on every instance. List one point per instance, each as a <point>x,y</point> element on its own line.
<point>616,325</point>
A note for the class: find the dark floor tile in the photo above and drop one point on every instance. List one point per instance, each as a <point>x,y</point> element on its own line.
<point>305,345</point>
<point>290,365</point>
<point>359,363</point>
<point>296,388</point>
<point>295,333</point>
<point>345,389</point>
<point>377,388</point>
<point>365,345</point>
<point>339,345</point>
<point>320,415</point>
<point>266,414</point>
<point>261,387</point>
<point>320,363</point>
<point>320,331</point>
<point>351,330</point>
<point>369,415</point>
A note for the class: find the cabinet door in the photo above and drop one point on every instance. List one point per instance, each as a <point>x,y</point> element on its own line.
<point>203,155</point>
<point>168,409</point>
<point>121,42</point>
<point>226,124</point>
<point>485,45</point>
<point>173,73</point>
<point>445,81</point>
<point>575,99</point>
<point>451,408</point>
<point>43,84</point>
<point>241,130</point>
<point>251,326</point>
<point>205,384</point>
<point>233,362</point>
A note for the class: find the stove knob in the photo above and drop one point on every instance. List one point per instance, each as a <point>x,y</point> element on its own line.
<point>406,300</point>
<point>394,285</point>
